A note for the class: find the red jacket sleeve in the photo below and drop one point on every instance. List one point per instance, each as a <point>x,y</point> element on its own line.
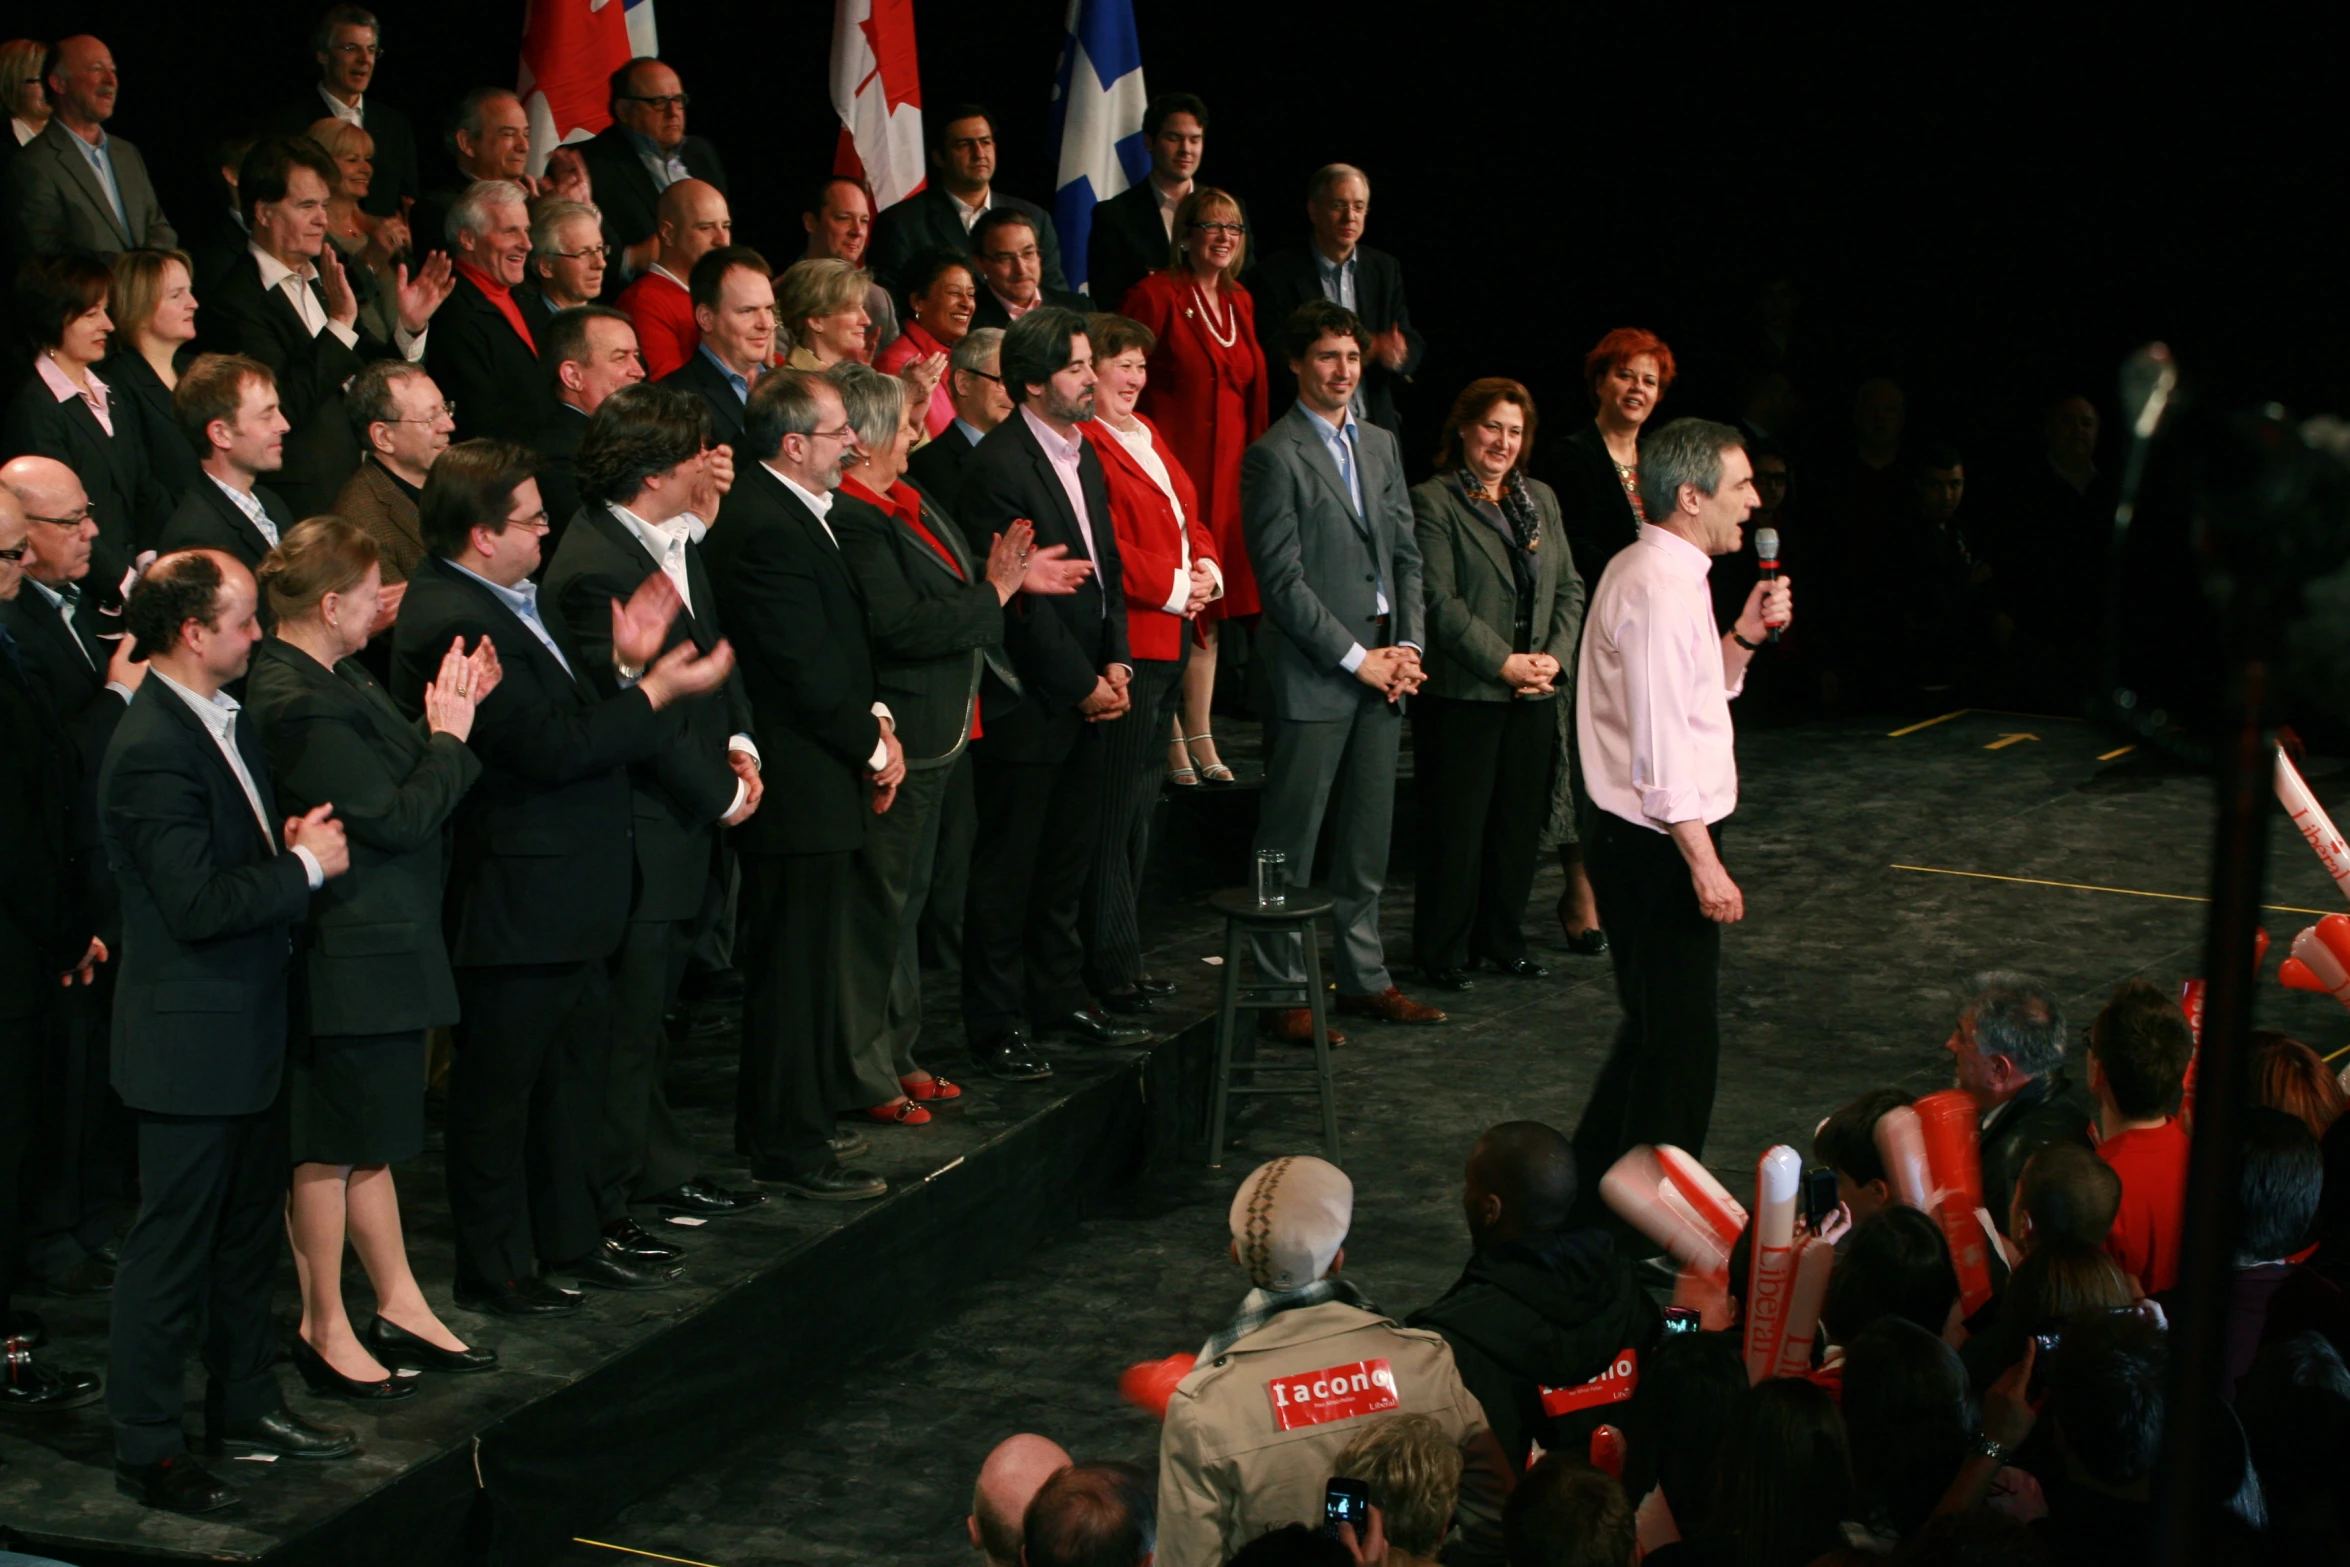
<point>1258,419</point>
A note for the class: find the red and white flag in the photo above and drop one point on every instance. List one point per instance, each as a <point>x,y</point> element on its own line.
<point>877,90</point>
<point>570,48</point>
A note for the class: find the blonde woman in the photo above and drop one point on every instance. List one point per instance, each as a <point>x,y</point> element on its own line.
<point>20,87</point>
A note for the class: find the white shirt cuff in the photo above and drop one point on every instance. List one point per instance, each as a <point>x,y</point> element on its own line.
<point>343,334</point>
<point>121,690</point>
<point>742,792</point>
<point>1353,659</point>
<point>749,748</point>
<point>411,346</point>
<point>880,757</point>
<point>1216,572</point>
<point>1181,596</point>
<point>310,867</point>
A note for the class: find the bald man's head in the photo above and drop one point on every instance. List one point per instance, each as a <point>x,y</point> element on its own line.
<point>1008,1481</point>
<point>1521,1178</point>
<point>12,538</point>
<point>694,221</point>
<point>46,489</point>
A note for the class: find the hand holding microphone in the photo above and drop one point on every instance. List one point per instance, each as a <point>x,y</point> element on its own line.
<point>1772,603</point>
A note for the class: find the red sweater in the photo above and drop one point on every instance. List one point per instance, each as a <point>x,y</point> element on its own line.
<point>664,315</point>
<point>2152,1163</point>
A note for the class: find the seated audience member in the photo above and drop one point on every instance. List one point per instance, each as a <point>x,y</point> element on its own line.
<point>943,293</point>
<point>2139,1047</point>
<point>975,384</point>
<point>1337,266</point>
<point>2063,1281</point>
<point>2105,1405</point>
<point>154,311</point>
<point>1894,1264</point>
<point>404,424</point>
<point>1673,1430</point>
<point>1005,245</point>
<point>228,405</point>
<point>24,97</point>
<point>1414,1473</point>
<point>487,137</point>
<point>1911,1422</point>
<point>946,211</point>
<point>1090,1515</point>
<point>640,156</point>
<point>220,248</point>
<point>63,410</point>
<point>839,225</point>
<point>356,1093</point>
<point>820,305</point>
<point>1783,1491</point>
<point>2287,1075</point>
<point>348,44</point>
<point>1846,1142</point>
<point>1133,230</point>
<point>1226,1473</point>
<point>485,352</point>
<point>370,247</point>
<point>1015,1470</point>
<point>2065,1193</point>
<point>56,620</point>
<point>1565,1513</point>
<point>567,259</point>
<point>75,187</point>
<point>734,324</point>
<point>693,221</point>
<point>589,353</point>
<point>289,306</point>
<point>207,900</point>
<point>2008,1046</point>
<point>2295,1404</point>
<point>1544,1317</point>
<point>2277,1189</point>
<point>542,879</point>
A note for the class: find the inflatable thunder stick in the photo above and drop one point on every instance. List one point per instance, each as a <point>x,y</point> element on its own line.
<point>2191,995</point>
<point>2321,959</point>
<point>1706,1197</point>
<point>1902,1146</point>
<point>1778,1176</point>
<point>1813,1260</point>
<point>1607,1451</point>
<point>2317,828</point>
<point>1150,1384</point>
<point>1634,1188</point>
<point>1947,1122</point>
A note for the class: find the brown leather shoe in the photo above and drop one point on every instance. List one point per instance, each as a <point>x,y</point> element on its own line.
<point>1390,1005</point>
<point>1296,1027</point>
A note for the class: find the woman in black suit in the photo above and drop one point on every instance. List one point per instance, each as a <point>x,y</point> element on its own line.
<point>1505,605</point>
<point>377,974</point>
<point>154,310</point>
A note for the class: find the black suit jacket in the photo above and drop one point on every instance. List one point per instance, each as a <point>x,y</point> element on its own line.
<point>43,928</point>
<point>208,520</point>
<point>209,909</point>
<point>934,628</point>
<point>67,669</point>
<point>489,372</point>
<point>544,871</point>
<point>1128,242</point>
<point>1290,279</point>
<point>1058,645</point>
<point>240,317</point>
<point>937,465</point>
<point>625,193</point>
<point>990,311</point>
<point>116,475</point>
<point>928,220</point>
<point>395,148</point>
<point>797,616</point>
<point>1593,508</point>
<point>372,950</point>
<point>706,381</point>
<point>172,464</point>
<point>557,443</point>
<point>682,793</point>
<point>2049,1109</point>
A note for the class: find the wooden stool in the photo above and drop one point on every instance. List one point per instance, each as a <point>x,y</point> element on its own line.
<point>1245,917</point>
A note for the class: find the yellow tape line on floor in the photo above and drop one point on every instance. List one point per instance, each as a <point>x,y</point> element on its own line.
<point>2082,886</point>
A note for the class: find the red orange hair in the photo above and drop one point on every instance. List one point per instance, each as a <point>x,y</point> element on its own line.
<point>1620,348</point>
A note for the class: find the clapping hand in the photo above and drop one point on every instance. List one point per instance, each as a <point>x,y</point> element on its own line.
<point>387,608</point>
<point>923,376</point>
<point>86,971</point>
<point>123,667</point>
<point>686,671</point>
<point>754,787</point>
<point>641,626</point>
<point>456,692</point>
<point>566,176</point>
<point>487,671</point>
<point>719,466</point>
<point>1391,348</point>
<point>342,305</point>
<point>425,292</point>
<point>322,835</point>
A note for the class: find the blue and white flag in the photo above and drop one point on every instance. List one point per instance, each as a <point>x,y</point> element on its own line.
<point>1098,100</point>
<point>644,38</point>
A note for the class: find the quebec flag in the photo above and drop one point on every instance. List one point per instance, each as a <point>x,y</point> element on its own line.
<point>1098,100</point>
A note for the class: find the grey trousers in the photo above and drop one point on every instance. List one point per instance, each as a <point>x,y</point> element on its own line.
<point>882,987</point>
<point>1343,768</point>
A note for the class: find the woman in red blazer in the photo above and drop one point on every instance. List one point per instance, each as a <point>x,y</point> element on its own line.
<point>1169,563</point>
<point>1207,395</point>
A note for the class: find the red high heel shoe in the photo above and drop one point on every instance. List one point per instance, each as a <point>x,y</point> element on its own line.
<point>904,1113</point>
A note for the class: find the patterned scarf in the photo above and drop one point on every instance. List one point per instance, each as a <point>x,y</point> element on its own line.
<point>1521,520</point>
<point>1263,1305</point>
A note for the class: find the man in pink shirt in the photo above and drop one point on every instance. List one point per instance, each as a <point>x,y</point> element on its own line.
<point>1653,724</point>
<point>2139,1047</point>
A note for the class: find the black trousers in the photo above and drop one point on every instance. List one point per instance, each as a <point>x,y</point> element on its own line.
<point>22,1041</point>
<point>1023,954</point>
<point>531,1056</point>
<point>939,925</point>
<point>199,1263</point>
<point>81,1182</point>
<point>1484,771</point>
<point>1134,772</point>
<point>794,1074</point>
<point>642,1150</point>
<point>1658,1083</point>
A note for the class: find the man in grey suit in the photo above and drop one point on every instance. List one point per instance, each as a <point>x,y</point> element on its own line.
<point>1330,532</point>
<point>73,187</point>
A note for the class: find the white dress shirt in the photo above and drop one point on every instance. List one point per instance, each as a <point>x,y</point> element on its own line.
<point>821,505</point>
<point>966,212</point>
<point>1652,696</point>
<point>1145,451</point>
<point>275,274</point>
<point>348,113</point>
<point>250,504</point>
<point>65,608</point>
<point>1067,458</point>
<point>1168,202</point>
<point>666,542</point>
<point>218,714</point>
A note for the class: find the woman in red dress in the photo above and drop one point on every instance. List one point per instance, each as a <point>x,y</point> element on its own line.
<point>1207,397</point>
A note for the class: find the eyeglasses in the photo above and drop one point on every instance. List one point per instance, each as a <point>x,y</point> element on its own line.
<point>371,51</point>
<point>536,522</point>
<point>985,376</point>
<point>74,521</point>
<point>1006,257</point>
<point>842,433</point>
<point>598,252</point>
<point>1233,229</point>
<point>449,408</point>
<point>17,553</point>
<point>662,105</point>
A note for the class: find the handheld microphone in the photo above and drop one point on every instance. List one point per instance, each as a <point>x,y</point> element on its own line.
<point>1766,546</point>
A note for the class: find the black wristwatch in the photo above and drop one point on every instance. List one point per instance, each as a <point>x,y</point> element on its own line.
<point>1751,647</point>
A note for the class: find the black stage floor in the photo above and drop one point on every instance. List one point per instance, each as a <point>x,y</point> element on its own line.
<point>824,1389</point>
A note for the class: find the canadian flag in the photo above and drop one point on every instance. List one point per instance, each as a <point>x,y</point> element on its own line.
<point>877,90</point>
<point>570,48</point>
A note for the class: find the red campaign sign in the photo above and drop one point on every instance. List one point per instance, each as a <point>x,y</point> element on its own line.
<point>1314,1398</point>
<point>1611,1386</point>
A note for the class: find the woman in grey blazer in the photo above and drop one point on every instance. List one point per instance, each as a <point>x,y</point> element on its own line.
<point>1505,605</point>
<point>375,973</point>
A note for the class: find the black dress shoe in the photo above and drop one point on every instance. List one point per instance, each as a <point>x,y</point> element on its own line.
<point>26,1327</point>
<point>518,1298</point>
<point>394,1346</point>
<point>1152,985</point>
<point>1095,1027</point>
<point>634,1242</point>
<point>847,1143</point>
<point>31,1389</point>
<point>325,1380</point>
<point>1010,1058</point>
<point>282,1432</point>
<point>1525,968</point>
<point>177,1485</point>
<point>834,1183</point>
<point>1127,1003</point>
<point>703,1198</point>
<point>1449,978</point>
<point>609,1268</point>
<point>1591,944</point>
